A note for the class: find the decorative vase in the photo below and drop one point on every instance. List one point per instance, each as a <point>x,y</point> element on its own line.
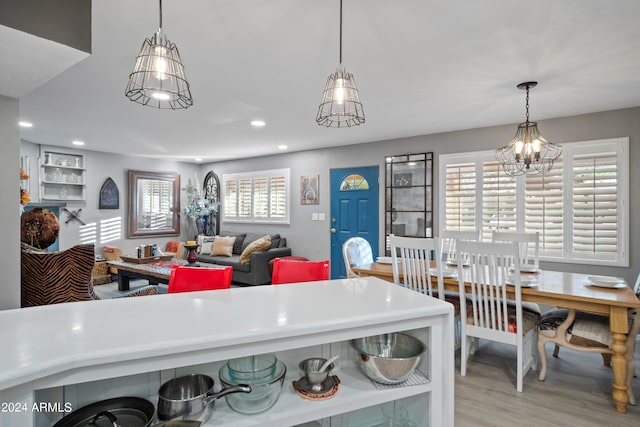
<point>201,222</point>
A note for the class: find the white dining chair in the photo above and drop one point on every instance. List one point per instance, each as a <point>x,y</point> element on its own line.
<point>356,251</point>
<point>528,245</point>
<point>412,256</point>
<point>487,311</point>
<point>449,239</point>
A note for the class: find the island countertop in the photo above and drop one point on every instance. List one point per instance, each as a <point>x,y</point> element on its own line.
<point>59,340</point>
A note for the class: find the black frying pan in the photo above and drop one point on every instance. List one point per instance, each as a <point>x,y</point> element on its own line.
<point>119,411</point>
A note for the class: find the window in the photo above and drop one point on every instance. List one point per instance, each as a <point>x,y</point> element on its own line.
<point>579,207</point>
<point>256,196</point>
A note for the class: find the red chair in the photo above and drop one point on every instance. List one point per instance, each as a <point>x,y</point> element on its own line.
<point>190,279</point>
<point>294,271</point>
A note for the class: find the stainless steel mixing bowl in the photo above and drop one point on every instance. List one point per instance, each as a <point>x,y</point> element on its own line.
<point>388,358</point>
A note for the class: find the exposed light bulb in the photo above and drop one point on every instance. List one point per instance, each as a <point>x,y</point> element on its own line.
<point>518,147</point>
<point>160,65</point>
<point>162,96</point>
<point>536,145</point>
<point>338,92</point>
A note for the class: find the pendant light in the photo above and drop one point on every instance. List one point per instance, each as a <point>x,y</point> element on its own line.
<point>340,105</point>
<point>158,78</point>
<point>528,151</point>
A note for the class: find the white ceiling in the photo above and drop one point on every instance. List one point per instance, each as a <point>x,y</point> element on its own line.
<point>422,67</point>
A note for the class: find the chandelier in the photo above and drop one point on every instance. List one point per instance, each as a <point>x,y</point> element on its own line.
<point>340,105</point>
<point>158,78</point>
<point>528,151</point>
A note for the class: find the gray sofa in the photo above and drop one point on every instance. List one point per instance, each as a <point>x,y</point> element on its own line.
<point>257,271</point>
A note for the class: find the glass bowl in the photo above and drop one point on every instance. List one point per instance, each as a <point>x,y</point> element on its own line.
<point>250,368</point>
<point>264,392</point>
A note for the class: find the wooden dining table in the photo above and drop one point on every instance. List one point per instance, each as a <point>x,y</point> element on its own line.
<point>567,290</point>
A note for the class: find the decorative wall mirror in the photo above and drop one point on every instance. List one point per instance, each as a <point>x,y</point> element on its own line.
<point>154,204</point>
<point>409,195</point>
<point>212,193</point>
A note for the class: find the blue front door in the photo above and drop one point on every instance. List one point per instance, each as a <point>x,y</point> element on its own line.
<point>354,211</point>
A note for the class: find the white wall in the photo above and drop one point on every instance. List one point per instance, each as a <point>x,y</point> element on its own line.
<point>312,238</point>
<point>10,203</point>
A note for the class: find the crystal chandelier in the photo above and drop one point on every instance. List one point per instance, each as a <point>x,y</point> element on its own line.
<point>528,150</point>
<point>340,105</point>
<point>158,78</point>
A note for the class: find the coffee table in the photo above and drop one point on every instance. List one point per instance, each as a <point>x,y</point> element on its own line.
<point>155,272</point>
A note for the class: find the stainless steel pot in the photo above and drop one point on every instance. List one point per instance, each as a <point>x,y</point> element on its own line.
<point>191,397</point>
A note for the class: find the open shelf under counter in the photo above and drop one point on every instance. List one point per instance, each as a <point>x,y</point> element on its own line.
<point>83,350</point>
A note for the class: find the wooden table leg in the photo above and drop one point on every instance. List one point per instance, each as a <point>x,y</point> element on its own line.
<point>123,281</point>
<point>619,324</point>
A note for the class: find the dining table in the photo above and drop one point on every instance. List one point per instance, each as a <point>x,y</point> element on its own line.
<point>567,290</point>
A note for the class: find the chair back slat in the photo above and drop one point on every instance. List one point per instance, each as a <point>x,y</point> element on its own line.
<point>490,269</point>
<point>413,257</point>
<point>528,246</point>
<point>449,240</point>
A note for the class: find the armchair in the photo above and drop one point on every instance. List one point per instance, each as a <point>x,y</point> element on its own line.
<point>59,277</point>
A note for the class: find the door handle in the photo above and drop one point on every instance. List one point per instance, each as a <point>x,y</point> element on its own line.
<point>332,230</point>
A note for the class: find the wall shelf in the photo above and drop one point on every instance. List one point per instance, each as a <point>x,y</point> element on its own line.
<point>62,176</point>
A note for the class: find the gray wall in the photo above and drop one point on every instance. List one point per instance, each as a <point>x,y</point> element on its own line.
<point>306,237</point>
<point>101,166</point>
<point>9,208</point>
<point>63,21</point>
<point>312,239</point>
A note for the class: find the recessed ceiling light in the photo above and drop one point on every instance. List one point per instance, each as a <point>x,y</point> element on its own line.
<point>198,159</point>
<point>282,147</point>
<point>77,142</point>
<point>258,123</point>
<point>25,124</point>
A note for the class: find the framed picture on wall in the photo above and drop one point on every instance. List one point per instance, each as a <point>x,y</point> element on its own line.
<point>309,190</point>
<point>109,195</point>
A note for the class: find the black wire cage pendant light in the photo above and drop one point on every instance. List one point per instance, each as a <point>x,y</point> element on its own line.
<point>528,151</point>
<point>340,105</point>
<point>158,78</point>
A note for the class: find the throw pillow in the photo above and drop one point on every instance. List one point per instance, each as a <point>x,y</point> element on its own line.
<point>172,246</point>
<point>262,244</point>
<point>206,245</point>
<point>222,246</point>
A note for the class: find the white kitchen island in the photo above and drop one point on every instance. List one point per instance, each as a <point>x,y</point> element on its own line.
<point>69,355</point>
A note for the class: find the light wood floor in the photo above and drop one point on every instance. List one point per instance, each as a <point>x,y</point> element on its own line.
<point>576,391</point>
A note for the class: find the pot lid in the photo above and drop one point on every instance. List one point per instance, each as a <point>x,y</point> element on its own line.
<point>120,411</point>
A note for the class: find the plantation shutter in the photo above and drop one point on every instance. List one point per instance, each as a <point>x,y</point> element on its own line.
<point>544,208</point>
<point>579,208</point>
<point>595,202</point>
<point>460,197</point>
<point>230,198</point>
<point>278,195</point>
<point>257,196</point>
<point>244,198</point>
<point>261,197</point>
<point>498,200</point>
